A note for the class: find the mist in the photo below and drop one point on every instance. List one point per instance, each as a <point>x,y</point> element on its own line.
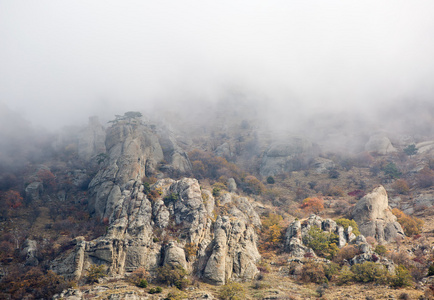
<point>295,61</point>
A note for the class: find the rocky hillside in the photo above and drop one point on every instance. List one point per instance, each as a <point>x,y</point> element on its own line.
<point>137,207</point>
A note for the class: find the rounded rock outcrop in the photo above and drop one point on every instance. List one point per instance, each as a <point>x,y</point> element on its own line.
<point>375,218</point>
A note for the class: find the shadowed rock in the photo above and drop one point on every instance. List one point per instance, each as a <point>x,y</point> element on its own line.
<point>375,218</point>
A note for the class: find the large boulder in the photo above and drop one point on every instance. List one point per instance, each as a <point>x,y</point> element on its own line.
<point>34,191</point>
<point>380,144</point>
<point>375,218</point>
<point>288,155</point>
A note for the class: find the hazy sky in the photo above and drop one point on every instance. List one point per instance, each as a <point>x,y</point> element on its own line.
<point>61,61</point>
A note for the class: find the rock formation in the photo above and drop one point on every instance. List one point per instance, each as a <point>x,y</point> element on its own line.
<point>380,144</point>
<point>175,156</point>
<point>182,225</point>
<point>133,152</point>
<point>375,218</point>
<point>293,241</point>
<point>150,233</point>
<point>287,156</point>
<point>34,191</point>
<point>91,141</point>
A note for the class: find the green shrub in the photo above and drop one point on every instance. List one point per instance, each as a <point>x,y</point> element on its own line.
<point>146,188</point>
<point>410,150</point>
<point>155,290</point>
<point>431,270</point>
<point>143,283</point>
<point>95,272</point>
<point>232,291</point>
<point>171,198</point>
<point>370,272</point>
<point>323,243</point>
<point>391,171</point>
<point>172,276</point>
<point>346,223</point>
<point>138,277</point>
<point>380,249</point>
<point>402,277</point>
<point>216,191</point>
<point>270,180</point>
<point>175,296</point>
<point>331,270</point>
<point>345,276</point>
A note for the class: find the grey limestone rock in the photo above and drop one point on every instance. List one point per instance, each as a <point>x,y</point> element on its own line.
<point>30,248</point>
<point>142,230</point>
<point>173,153</point>
<point>293,240</point>
<point>226,249</point>
<point>133,151</point>
<point>286,156</point>
<point>380,144</point>
<point>232,185</point>
<point>34,191</point>
<point>91,140</point>
<point>322,165</point>
<point>425,147</point>
<point>375,218</point>
<point>174,255</point>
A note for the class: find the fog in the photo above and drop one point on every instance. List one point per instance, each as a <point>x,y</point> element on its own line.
<point>62,61</point>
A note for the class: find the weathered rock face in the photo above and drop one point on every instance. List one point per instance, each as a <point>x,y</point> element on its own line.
<point>323,165</point>
<point>30,248</point>
<point>425,147</point>
<point>287,156</point>
<point>151,233</point>
<point>293,241</point>
<point>34,191</point>
<point>375,218</point>
<point>133,152</point>
<point>173,154</point>
<point>380,144</point>
<point>175,228</point>
<point>91,141</point>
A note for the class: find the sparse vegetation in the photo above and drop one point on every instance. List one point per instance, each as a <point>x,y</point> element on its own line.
<point>411,225</point>
<point>175,275</point>
<point>95,272</point>
<point>232,291</point>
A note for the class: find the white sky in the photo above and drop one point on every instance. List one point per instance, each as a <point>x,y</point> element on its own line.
<point>61,61</point>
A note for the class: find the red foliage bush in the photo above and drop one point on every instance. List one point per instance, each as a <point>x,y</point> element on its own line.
<point>12,198</point>
<point>313,205</point>
<point>357,194</point>
<point>48,179</point>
